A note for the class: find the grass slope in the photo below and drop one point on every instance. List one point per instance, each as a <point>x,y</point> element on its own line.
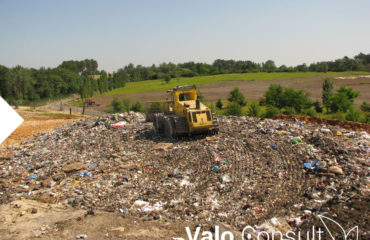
<point>157,85</point>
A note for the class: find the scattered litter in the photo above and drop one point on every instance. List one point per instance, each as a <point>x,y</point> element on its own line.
<point>234,177</point>
<point>119,125</point>
<point>120,229</point>
<point>81,236</point>
<point>85,174</point>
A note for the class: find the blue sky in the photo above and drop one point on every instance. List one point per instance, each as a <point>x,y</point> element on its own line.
<point>44,33</point>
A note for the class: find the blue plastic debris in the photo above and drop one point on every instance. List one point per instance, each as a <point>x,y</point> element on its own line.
<point>216,168</point>
<point>274,147</point>
<point>311,165</point>
<point>85,174</point>
<point>300,123</point>
<point>32,177</point>
<point>92,166</point>
<point>315,165</point>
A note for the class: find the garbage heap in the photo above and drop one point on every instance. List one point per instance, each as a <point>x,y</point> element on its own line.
<point>252,170</point>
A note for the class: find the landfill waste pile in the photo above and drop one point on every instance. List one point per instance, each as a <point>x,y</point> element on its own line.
<point>257,172</point>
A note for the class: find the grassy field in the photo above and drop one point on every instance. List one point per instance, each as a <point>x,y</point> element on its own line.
<point>155,85</point>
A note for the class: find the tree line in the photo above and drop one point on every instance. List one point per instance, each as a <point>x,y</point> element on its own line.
<point>23,85</point>
<point>83,77</point>
<point>360,62</point>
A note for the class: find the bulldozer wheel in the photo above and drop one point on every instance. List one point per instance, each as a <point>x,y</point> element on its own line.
<point>168,129</point>
<point>157,124</point>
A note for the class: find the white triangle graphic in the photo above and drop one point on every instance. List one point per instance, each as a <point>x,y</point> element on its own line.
<point>9,120</point>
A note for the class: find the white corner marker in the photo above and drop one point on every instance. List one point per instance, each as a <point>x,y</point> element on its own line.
<point>9,120</point>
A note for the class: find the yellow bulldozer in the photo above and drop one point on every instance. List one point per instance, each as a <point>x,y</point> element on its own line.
<point>184,114</point>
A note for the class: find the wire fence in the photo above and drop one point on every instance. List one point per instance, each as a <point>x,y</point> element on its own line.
<point>72,110</point>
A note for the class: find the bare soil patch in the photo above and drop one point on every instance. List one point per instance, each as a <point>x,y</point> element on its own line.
<point>35,123</point>
<point>253,90</point>
<point>28,219</point>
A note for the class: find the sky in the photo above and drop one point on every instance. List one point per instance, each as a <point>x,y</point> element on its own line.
<point>115,33</point>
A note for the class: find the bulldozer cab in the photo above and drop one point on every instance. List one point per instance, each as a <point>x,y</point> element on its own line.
<point>184,97</point>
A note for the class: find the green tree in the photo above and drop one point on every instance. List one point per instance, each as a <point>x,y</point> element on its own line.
<point>254,110</point>
<point>117,105</point>
<point>327,92</point>
<point>4,87</point>
<point>103,82</point>
<point>342,100</point>
<point>339,102</point>
<point>274,96</point>
<point>126,104</point>
<point>365,106</point>
<point>234,109</point>
<point>280,97</point>
<point>311,112</point>
<point>271,112</point>
<point>21,83</point>
<point>353,115</point>
<point>269,66</point>
<point>236,96</point>
<point>318,107</point>
<point>351,94</point>
<point>298,99</point>
<point>137,107</point>
<point>219,104</point>
<point>167,78</point>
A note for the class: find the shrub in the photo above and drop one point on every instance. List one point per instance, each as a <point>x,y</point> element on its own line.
<point>280,97</point>
<point>126,104</point>
<point>271,112</point>
<point>274,96</point>
<point>311,112</point>
<point>365,107</point>
<point>342,100</point>
<point>338,115</point>
<point>137,107</point>
<point>155,107</point>
<point>318,107</point>
<point>289,111</point>
<point>236,96</point>
<point>117,105</point>
<point>234,109</point>
<point>339,102</point>
<point>219,104</point>
<point>167,78</point>
<point>254,110</point>
<point>353,115</point>
<point>327,91</point>
<point>366,118</point>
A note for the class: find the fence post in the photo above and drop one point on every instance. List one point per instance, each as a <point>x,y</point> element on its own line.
<point>83,110</point>
<point>70,111</point>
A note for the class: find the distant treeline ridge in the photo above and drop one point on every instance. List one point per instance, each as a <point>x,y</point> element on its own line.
<point>83,77</point>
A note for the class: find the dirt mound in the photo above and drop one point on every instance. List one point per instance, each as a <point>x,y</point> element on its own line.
<point>252,171</point>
